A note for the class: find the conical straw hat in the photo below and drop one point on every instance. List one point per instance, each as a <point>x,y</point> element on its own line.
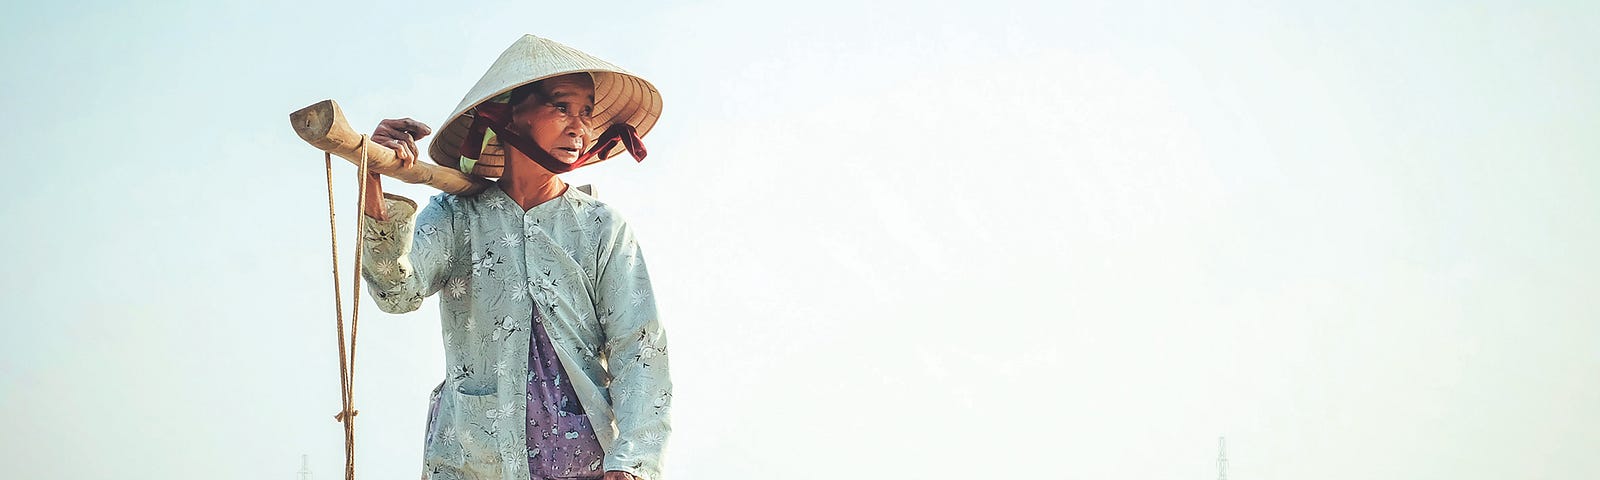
<point>619,97</point>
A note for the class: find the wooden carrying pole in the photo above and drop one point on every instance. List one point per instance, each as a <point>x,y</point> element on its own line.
<point>323,126</point>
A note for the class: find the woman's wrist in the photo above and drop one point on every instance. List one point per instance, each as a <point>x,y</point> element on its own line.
<point>372,205</point>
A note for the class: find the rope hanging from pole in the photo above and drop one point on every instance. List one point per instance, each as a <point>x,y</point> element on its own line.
<point>347,356</point>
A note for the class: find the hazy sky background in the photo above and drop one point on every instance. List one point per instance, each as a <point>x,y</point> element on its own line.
<point>918,239</point>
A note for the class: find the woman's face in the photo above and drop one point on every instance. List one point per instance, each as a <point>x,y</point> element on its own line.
<point>558,118</point>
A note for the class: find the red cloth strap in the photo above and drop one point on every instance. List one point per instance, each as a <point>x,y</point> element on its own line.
<point>497,116</point>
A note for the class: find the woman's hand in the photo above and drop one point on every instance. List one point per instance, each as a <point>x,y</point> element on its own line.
<point>401,135</point>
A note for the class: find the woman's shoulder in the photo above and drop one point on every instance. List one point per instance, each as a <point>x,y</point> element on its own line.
<point>469,203</point>
<point>591,209</point>
<point>446,200</point>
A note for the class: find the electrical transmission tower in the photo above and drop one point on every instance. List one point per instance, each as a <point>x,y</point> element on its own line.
<point>305,469</point>
<point>1222,458</point>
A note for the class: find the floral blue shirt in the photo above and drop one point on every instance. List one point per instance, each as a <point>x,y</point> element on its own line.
<point>492,263</point>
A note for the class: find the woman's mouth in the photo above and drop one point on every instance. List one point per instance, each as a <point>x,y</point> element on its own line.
<point>566,154</point>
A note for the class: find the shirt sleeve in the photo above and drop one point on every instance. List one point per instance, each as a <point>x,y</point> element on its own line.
<point>406,259</point>
<point>636,352</point>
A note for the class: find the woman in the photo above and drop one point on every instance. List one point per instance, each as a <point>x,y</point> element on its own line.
<point>556,363</point>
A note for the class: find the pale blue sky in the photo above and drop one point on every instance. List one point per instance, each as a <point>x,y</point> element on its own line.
<point>1068,239</point>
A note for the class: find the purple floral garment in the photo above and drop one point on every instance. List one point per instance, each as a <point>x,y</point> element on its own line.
<point>561,444</point>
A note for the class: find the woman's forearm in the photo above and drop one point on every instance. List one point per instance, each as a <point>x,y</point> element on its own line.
<point>372,203</point>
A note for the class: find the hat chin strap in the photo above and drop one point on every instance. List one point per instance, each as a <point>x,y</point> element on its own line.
<point>497,117</point>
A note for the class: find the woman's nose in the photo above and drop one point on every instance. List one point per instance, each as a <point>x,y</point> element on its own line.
<point>575,126</point>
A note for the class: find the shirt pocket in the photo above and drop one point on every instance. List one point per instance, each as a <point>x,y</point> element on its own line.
<point>441,452</point>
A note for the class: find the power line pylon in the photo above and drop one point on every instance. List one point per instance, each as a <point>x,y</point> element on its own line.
<point>1222,458</point>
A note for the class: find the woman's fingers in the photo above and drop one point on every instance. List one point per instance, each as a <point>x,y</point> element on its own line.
<point>415,128</point>
<point>405,125</point>
<point>412,152</point>
<point>387,133</point>
<point>401,134</point>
